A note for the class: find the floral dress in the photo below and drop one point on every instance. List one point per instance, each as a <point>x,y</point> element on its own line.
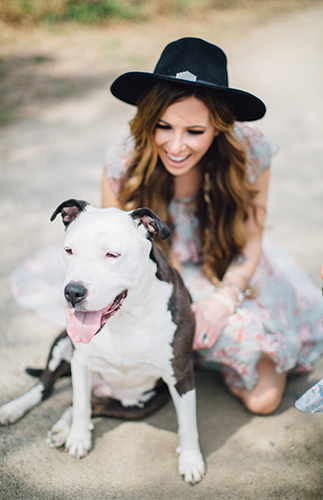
<point>283,322</point>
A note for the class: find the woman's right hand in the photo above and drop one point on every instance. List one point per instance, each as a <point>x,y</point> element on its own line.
<point>211,317</point>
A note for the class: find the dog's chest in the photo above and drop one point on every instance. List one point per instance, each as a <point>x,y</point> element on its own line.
<point>135,346</point>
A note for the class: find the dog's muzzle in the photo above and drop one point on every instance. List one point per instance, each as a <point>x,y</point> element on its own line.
<point>83,325</point>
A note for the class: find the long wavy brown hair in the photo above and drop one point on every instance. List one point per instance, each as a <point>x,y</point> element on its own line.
<point>225,196</point>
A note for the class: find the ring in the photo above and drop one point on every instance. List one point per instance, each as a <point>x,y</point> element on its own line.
<point>205,340</point>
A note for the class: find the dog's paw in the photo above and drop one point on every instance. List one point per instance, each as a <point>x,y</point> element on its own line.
<point>11,412</point>
<point>78,444</point>
<point>17,408</point>
<point>58,434</point>
<point>191,466</point>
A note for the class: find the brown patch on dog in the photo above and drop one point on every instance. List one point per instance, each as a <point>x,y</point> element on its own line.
<point>113,408</point>
<point>182,315</point>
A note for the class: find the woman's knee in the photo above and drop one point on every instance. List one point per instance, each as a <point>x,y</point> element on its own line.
<point>263,404</point>
<point>267,394</point>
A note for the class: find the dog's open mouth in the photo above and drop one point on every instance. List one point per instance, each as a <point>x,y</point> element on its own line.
<point>82,326</point>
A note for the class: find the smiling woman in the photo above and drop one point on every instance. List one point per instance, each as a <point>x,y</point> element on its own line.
<point>156,177</point>
<point>196,162</point>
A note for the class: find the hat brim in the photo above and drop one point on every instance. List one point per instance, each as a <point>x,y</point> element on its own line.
<point>129,87</point>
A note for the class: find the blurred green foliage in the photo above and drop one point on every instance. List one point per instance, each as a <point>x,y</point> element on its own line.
<point>82,11</point>
<point>92,11</point>
<point>97,11</point>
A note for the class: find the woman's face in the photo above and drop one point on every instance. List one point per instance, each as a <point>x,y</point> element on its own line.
<point>183,135</point>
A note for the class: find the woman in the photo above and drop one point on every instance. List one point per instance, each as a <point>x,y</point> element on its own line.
<point>194,160</point>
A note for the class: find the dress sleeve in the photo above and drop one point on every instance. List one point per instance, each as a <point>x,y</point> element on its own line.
<point>259,147</point>
<point>117,161</point>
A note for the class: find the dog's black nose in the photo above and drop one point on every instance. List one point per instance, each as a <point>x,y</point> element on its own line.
<point>75,293</point>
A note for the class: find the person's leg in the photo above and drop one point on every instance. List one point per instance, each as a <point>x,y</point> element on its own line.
<point>266,396</point>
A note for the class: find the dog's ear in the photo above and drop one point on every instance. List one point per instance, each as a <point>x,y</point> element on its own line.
<point>151,221</point>
<point>69,209</point>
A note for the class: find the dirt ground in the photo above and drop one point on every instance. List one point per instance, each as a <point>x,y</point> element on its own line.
<point>58,118</point>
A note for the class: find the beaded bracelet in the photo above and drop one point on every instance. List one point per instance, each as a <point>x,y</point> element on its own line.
<point>247,292</point>
<point>225,299</point>
<point>239,293</point>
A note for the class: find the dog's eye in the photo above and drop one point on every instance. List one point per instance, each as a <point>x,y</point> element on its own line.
<point>112,255</point>
<point>68,250</point>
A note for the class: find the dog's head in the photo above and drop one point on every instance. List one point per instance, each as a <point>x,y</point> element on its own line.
<point>107,260</point>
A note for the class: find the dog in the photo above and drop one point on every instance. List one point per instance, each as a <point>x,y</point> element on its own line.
<point>131,328</point>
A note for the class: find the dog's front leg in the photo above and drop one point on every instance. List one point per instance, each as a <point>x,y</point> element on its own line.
<point>79,440</point>
<point>190,461</point>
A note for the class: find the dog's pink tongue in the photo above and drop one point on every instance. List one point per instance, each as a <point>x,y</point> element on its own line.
<point>82,326</point>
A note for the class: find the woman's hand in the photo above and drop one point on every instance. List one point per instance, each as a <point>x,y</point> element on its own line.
<point>211,317</point>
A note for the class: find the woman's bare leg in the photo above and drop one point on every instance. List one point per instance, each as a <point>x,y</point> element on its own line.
<point>266,396</point>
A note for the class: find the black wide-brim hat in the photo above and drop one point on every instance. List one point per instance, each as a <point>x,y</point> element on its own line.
<point>193,62</point>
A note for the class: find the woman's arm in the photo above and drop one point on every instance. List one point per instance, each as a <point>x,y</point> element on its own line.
<point>212,314</point>
<point>242,268</point>
<point>109,198</point>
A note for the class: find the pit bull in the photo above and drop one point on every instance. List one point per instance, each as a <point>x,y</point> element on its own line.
<point>131,328</point>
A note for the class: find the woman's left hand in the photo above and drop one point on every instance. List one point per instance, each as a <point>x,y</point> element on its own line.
<point>211,317</point>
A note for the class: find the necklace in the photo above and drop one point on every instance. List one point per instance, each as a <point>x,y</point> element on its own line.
<point>187,200</point>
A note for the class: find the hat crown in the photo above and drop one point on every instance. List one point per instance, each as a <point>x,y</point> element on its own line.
<point>197,64</point>
<point>194,59</point>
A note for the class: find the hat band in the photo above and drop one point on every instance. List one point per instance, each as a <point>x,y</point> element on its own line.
<point>186,75</point>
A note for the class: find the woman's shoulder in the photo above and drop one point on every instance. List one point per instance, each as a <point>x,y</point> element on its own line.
<point>117,160</point>
<point>259,147</point>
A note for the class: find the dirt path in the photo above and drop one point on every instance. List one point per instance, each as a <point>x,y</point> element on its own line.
<point>54,152</point>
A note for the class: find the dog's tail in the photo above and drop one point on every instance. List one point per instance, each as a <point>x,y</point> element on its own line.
<point>39,372</point>
<point>34,372</point>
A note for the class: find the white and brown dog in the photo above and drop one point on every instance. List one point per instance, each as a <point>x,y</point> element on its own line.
<point>132,327</point>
